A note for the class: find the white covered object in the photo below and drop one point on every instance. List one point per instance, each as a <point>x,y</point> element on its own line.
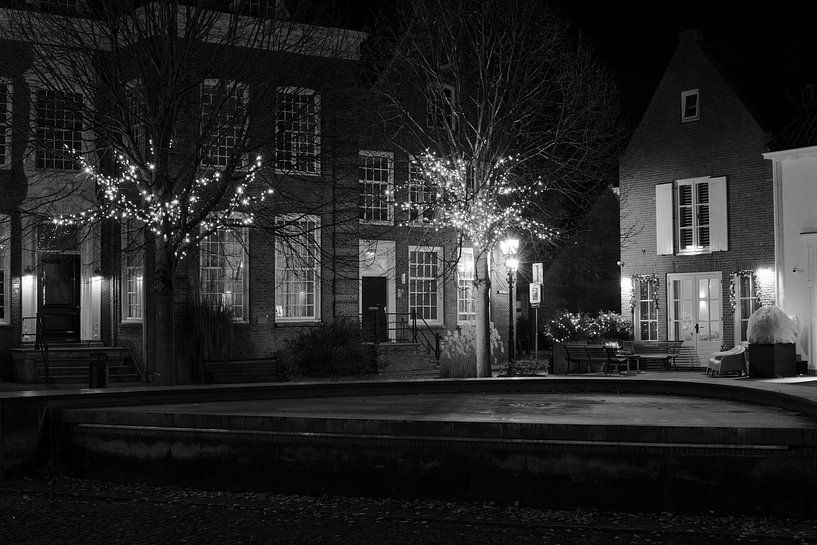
<point>770,325</point>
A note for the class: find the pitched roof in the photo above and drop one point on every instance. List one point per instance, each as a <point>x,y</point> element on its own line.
<point>799,133</point>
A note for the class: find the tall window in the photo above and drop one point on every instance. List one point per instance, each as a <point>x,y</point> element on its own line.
<point>693,216</point>
<point>5,122</point>
<point>375,180</point>
<point>647,317</point>
<point>440,108</point>
<point>224,120</point>
<point>425,283</point>
<point>297,131</point>
<point>690,106</point>
<point>135,105</point>
<point>466,292</point>
<point>297,269</point>
<point>5,259</point>
<point>223,270</point>
<point>422,196</point>
<point>132,271</point>
<point>746,302</point>
<point>59,129</point>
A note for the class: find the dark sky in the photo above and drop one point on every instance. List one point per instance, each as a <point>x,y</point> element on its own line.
<point>637,39</point>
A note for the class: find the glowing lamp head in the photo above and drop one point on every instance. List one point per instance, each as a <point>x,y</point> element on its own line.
<point>509,247</point>
<point>512,263</point>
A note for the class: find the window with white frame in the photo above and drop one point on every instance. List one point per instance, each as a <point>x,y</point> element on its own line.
<point>59,129</point>
<point>690,106</point>
<point>646,307</point>
<point>132,271</point>
<point>5,263</point>
<point>746,303</point>
<point>223,259</point>
<point>466,291</point>
<point>5,122</point>
<point>376,178</point>
<point>297,269</point>
<point>136,113</point>
<point>425,283</point>
<point>223,120</point>
<point>440,108</point>
<point>422,196</point>
<point>297,131</point>
<point>691,216</point>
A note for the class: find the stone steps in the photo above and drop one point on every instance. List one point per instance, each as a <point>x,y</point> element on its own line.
<point>70,364</point>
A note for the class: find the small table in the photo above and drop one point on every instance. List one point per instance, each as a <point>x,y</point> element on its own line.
<point>632,357</point>
<point>669,359</point>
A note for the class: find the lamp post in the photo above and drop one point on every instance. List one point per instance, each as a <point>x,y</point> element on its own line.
<point>509,248</point>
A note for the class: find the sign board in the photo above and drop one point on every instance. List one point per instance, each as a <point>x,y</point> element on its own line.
<point>535,292</point>
<point>537,273</point>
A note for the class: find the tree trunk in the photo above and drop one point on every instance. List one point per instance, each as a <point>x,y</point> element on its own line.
<point>163,297</point>
<point>482,277</point>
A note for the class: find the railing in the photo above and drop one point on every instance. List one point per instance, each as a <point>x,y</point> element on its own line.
<point>41,344</point>
<point>400,327</point>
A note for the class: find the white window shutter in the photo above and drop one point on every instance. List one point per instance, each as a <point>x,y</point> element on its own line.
<point>663,219</point>
<point>718,235</point>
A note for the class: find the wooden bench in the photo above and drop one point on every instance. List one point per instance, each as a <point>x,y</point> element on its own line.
<point>584,353</point>
<point>666,351</point>
<point>240,371</point>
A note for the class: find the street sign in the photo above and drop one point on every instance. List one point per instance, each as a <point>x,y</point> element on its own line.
<point>537,273</point>
<point>535,290</point>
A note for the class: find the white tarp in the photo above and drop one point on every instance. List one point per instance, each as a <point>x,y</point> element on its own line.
<point>770,325</point>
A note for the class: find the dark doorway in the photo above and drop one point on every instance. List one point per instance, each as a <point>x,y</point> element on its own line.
<point>373,301</point>
<point>59,297</point>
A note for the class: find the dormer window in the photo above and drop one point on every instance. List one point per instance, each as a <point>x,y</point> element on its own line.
<point>690,106</point>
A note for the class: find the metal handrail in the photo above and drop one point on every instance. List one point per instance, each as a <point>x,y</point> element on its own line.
<point>406,328</point>
<point>41,344</point>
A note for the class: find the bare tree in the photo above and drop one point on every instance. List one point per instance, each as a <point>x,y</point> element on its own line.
<point>511,116</point>
<point>156,104</point>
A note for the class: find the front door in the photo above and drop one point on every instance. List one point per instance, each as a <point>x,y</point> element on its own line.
<point>59,297</point>
<point>696,311</point>
<point>373,301</point>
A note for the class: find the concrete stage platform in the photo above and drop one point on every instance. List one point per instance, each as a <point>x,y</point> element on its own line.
<point>621,443</point>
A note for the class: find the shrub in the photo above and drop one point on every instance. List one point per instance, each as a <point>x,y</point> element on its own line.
<point>211,334</point>
<point>334,349</point>
<point>579,326</point>
<point>458,352</point>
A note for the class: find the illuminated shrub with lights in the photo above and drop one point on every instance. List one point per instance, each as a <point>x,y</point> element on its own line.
<point>458,352</point>
<point>580,326</point>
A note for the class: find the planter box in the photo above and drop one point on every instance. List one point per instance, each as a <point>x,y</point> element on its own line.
<point>772,360</point>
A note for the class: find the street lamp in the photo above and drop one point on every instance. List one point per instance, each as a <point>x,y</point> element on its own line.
<point>509,248</point>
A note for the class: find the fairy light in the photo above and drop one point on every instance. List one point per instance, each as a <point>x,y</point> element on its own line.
<point>127,196</point>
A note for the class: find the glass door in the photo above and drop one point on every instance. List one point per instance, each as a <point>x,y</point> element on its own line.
<point>695,312</point>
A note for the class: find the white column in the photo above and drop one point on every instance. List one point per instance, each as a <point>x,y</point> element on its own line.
<point>90,287</point>
<point>808,323</point>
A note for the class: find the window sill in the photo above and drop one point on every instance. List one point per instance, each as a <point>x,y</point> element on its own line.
<point>297,323</point>
<point>297,173</point>
<point>131,323</point>
<point>694,252</point>
<point>388,223</point>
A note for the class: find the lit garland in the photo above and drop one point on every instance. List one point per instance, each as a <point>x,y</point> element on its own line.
<point>126,197</point>
<point>750,273</point>
<point>637,281</point>
<point>485,209</point>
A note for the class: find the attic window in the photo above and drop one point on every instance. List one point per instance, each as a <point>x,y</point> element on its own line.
<point>690,106</point>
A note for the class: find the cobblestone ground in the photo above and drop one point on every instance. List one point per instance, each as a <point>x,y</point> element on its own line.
<point>68,511</point>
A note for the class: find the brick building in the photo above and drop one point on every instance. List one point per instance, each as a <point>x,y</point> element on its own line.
<point>336,179</point>
<point>699,199</point>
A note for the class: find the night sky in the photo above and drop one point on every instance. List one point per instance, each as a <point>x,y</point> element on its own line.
<point>636,40</point>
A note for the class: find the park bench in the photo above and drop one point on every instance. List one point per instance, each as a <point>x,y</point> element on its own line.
<point>584,353</point>
<point>241,371</point>
<point>664,351</point>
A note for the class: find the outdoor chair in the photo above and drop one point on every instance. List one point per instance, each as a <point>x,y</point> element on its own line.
<point>728,361</point>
